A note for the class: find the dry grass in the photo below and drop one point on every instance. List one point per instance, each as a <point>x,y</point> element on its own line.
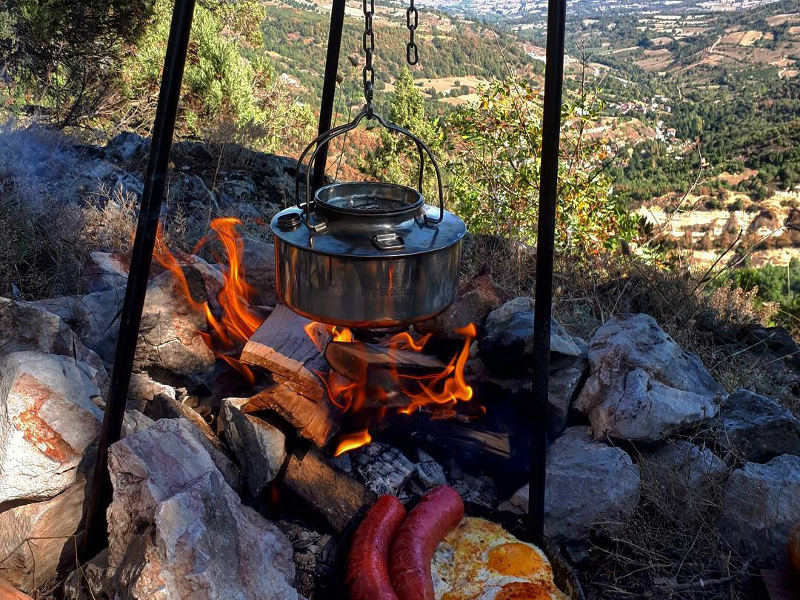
<point>671,548</point>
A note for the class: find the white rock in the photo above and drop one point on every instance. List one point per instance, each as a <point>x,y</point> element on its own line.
<point>48,420</point>
<point>177,530</point>
<point>642,385</point>
<point>636,407</point>
<point>26,326</point>
<point>48,526</point>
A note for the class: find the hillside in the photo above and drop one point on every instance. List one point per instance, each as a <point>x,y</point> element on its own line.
<point>455,55</point>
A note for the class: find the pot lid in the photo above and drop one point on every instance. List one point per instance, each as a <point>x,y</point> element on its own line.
<point>368,220</point>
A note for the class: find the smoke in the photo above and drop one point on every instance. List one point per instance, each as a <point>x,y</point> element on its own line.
<point>41,168</point>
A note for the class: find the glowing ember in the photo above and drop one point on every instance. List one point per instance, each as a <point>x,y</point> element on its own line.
<point>439,391</point>
<point>237,322</point>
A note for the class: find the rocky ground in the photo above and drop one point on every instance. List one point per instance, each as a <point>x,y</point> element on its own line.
<point>645,444</point>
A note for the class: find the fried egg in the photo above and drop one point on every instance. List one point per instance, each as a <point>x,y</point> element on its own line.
<point>479,560</point>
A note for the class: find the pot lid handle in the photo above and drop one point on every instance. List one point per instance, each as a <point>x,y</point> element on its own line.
<point>324,139</point>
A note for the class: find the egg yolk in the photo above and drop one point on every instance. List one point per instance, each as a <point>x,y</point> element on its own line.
<point>524,591</point>
<point>515,559</point>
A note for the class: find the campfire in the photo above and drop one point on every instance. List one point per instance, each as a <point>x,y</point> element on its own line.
<point>364,381</point>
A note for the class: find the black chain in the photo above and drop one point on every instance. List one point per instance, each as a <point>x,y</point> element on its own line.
<point>368,43</point>
<point>412,56</point>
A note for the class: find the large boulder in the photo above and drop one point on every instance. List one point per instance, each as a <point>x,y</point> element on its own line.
<point>507,343</point>
<point>760,507</point>
<point>26,326</point>
<point>259,447</point>
<point>94,318</point>
<point>757,428</point>
<point>47,423</point>
<point>643,386</point>
<point>589,484</point>
<point>177,530</point>
<point>171,327</point>
<point>37,539</point>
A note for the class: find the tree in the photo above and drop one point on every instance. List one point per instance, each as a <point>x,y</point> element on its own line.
<point>494,170</point>
<point>395,159</point>
<point>65,52</point>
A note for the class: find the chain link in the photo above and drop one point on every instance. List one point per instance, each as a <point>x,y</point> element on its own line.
<point>412,55</point>
<point>368,44</point>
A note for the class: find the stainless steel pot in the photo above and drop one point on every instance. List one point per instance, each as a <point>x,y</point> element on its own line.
<point>367,254</point>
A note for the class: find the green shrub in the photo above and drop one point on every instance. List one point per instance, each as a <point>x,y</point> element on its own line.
<point>776,284</point>
<point>494,167</point>
<point>227,80</point>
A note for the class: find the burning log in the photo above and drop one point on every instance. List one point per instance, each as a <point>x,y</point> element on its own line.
<point>330,492</point>
<point>377,368</point>
<point>282,346</point>
<point>350,359</point>
<point>315,421</point>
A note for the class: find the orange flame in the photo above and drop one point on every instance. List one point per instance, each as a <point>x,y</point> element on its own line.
<point>351,441</point>
<point>237,322</point>
<point>441,391</point>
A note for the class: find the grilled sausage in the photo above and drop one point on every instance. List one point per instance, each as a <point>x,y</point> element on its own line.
<point>438,513</point>
<point>367,564</point>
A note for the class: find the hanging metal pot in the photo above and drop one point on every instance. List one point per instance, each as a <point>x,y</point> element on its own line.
<point>367,254</point>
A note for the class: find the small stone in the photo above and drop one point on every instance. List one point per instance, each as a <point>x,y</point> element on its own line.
<point>477,490</point>
<point>343,462</point>
<point>90,582</point>
<point>567,375</point>
<point>134,421</point>
<point>104,271</point>
<point>259,261</point>
<point>143,390</point>
<point>478,297</point>
<point>589,484</point>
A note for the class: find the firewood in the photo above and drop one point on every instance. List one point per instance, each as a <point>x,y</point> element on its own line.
<point>282,346</point>
<point>347,358</point>
<point>330,492</point>
<point>315,421</point>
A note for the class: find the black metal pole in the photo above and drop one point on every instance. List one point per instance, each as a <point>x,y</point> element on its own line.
<point>548,191</point>
<point>329,86</point>
<point>149,212</point>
